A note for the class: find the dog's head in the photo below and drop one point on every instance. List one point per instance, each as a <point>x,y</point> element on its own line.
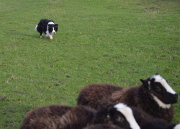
<point>52,28</point>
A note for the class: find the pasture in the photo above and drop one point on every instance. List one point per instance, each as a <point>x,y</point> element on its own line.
<point>99,41</point>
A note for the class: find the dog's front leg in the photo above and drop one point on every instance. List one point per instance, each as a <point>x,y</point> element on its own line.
<point>51,37</point>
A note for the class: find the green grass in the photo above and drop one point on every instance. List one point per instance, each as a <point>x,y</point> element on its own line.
<point>99,41</point>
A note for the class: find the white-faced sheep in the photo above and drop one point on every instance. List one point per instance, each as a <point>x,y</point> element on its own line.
<point>78,117</point>
<point>154,96</point>
<point>144,120</point>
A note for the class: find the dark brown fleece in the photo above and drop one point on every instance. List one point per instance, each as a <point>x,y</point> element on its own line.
<point>102,126</point>
<point>96,95</point>
<point>77,117</point>
<point>58,117</point>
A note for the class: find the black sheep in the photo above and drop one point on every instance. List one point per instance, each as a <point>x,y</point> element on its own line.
<point>78,117</point>
<point>154,96</point>
<point>145,121</point>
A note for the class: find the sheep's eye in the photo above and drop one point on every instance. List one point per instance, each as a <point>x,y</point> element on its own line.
<point>120,119</point>
<point>158,89</point>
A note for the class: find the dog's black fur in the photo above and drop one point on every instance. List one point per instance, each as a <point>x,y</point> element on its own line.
<point>48,27</point>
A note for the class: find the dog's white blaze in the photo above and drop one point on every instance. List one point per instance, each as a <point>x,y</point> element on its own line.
<point>53,31</point>
<point>127,112</point>
<point>160,103</point>
<point>177,126</point>
<point>51,23</point>
<point>161,80</point>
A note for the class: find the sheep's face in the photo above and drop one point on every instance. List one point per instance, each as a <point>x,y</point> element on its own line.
<point>160,90</point>
<point>119,115</point>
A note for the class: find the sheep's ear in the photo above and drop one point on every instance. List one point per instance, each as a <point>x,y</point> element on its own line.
<point>143,81</point>
<point>146,83</point>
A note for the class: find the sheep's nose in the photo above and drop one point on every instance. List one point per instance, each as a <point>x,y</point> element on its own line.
<point>176,96</point>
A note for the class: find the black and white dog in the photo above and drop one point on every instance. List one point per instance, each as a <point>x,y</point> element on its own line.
<point>48,27</point>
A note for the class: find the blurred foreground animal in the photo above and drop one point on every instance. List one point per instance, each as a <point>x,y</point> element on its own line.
<point>78,117</point>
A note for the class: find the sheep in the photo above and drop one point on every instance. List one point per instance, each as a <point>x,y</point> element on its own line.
<point>154,96</point>
<point>146,121</point>
<point>147,125</point>
<point>101,94</point>
<point>78,117</point>
<point>58,117</point>
<point>102,126</point>
<point>159,125</point>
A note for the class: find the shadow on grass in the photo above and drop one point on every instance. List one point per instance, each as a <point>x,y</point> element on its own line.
<point>34,36</point>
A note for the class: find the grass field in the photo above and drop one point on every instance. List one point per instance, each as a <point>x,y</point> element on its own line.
<point>99,41</point>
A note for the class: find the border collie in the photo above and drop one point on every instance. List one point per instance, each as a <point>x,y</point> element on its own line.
<point>48,27</point>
